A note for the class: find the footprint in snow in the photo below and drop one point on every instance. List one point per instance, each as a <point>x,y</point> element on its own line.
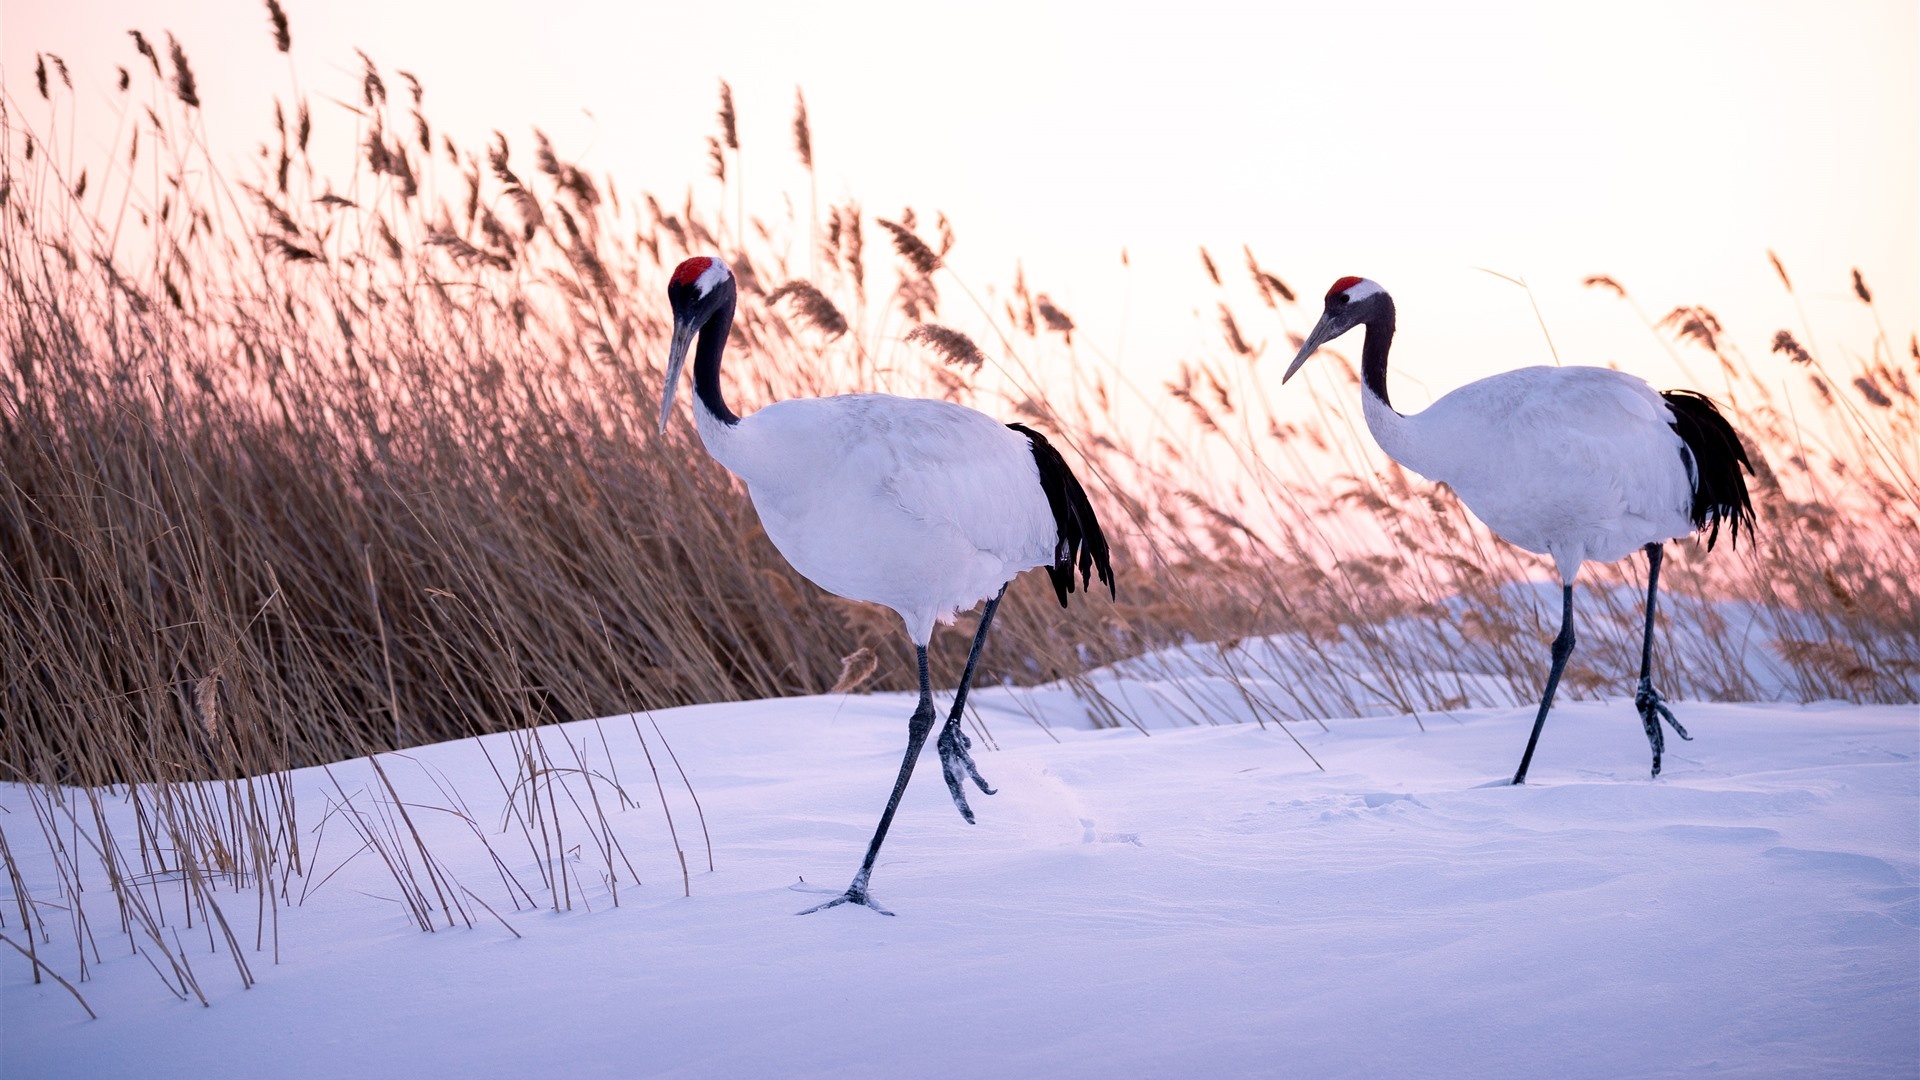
<point>1088,836</point>
<point>1722,834</point>
<point>1374,800</point>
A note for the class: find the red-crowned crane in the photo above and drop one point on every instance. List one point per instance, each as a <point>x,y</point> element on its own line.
<point>926,507</point>
<point>1577,463</point>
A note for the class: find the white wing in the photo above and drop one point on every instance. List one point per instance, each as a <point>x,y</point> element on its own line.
<point>968,471</point>
<point>1578,462</point>
<point>925,506</point>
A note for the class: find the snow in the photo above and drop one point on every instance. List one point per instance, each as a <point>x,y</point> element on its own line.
<point>1174,900</point>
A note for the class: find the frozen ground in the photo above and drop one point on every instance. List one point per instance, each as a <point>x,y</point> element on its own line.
<point>1191,901</point>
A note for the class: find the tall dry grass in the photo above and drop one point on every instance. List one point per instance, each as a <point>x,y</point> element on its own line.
<point>317,460</point>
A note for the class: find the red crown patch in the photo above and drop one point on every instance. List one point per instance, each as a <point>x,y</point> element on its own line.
<point>690,271</point>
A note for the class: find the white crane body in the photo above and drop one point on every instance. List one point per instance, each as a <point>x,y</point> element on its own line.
<point>926,507</point>
<point>1576,463</point>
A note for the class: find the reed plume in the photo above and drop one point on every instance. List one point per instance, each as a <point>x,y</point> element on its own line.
<point>813,306</point>
<point>922,258</point>
<point>954,347</point>
<point>802,133</point>
<point>277,18</point>
<point>184,86</point>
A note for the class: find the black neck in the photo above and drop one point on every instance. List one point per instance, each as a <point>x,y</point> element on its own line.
<point>1373,355</point>
<point>706,362</point>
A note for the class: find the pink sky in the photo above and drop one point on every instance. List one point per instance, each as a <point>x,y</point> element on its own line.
<point>1667,144</point>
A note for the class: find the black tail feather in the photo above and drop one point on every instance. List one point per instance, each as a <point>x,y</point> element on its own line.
<point>1719,489</point>
<point>1081,541</point>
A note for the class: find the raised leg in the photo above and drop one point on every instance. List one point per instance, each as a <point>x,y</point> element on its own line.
<point>1653,707</point>
<point>955,761</point>
<point>917,730</point>
<point>1562,648</point>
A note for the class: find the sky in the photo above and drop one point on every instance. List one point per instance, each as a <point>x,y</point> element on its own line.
<point>1669,145</point>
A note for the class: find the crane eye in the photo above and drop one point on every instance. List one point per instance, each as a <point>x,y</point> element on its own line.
<point>1336,299</point>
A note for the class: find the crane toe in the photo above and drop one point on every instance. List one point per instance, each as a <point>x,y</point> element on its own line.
<point>849,897</point>
<point>1653,709</point>
<point>856,894</point>
<point>957,763</point>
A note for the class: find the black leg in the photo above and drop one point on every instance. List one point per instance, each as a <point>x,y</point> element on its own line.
<point>1562,648</point>
<point>955,761</point>
<point>917,730</point>
<point>1653,708</point>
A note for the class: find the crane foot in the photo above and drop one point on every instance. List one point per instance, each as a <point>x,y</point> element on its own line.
<point>1653,709</point>
<point>958,765</point>
<point>855,894</point>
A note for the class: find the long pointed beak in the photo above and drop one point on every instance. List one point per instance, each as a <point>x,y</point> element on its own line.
<point>1324,331</point>
<point>676,359</point>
